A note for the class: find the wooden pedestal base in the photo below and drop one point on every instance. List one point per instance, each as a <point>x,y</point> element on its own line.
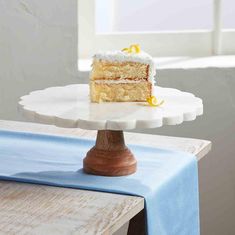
<point>110,156</point>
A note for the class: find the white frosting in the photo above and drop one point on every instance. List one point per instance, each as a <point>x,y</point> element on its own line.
<point>118,81</point>
<point>122,56</point>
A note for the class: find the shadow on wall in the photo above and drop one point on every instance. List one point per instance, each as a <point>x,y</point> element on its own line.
<point>217,175</point>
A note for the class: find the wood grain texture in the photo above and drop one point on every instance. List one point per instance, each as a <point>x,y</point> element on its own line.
<point>34,209</point>
<point>110,156</point>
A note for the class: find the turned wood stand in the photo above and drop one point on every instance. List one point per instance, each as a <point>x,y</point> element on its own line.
<point>110,156</point>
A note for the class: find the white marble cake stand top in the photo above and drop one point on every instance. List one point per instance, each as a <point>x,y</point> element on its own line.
<point>70,107</point>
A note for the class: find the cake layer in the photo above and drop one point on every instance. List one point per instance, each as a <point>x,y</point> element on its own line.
<point>113,70</point>
<point>119,92</point>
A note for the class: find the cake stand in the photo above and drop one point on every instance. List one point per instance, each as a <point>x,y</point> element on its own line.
<point>70,107</point>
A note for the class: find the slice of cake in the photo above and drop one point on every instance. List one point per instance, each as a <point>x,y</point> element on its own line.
<point>121,76</point>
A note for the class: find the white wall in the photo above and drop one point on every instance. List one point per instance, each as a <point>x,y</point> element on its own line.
<point>38,48</point>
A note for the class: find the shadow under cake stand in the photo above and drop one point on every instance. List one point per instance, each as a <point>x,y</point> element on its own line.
<point>70,107</point>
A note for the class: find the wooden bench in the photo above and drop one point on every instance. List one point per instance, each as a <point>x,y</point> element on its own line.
<point>36,209</point>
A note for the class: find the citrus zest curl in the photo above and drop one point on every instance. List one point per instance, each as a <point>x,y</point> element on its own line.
<point>153,102</point>
<point>134,48</point>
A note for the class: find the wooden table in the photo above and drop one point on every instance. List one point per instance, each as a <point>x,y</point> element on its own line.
<point>35,209</point>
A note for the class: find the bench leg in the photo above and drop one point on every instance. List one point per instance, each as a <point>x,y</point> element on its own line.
<point>137,224</point>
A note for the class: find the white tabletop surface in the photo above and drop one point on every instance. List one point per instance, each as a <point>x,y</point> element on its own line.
<point>69,106</point>
<point>54,210</point>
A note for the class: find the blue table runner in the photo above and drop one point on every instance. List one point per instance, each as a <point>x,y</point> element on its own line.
<point>168,180</point>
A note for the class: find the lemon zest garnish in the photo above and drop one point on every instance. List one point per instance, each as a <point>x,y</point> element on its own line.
<point>153,102</point>
<point>134,48</point>
<point>126,50</point>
